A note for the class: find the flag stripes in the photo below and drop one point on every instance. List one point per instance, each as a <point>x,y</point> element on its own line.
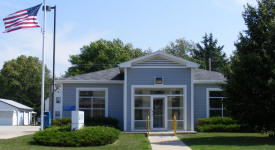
<point>22,19</point>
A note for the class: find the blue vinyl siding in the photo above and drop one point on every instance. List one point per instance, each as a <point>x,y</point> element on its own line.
<point>200,102</point>
<point>115,98</point>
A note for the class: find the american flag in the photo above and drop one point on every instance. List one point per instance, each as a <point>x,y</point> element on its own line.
<point>22,19</point>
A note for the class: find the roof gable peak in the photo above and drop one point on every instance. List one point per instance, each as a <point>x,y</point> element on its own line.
<point>179,62</point>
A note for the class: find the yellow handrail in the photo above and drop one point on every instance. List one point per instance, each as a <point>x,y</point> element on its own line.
<point>148,118</point>
<point>175,125</point>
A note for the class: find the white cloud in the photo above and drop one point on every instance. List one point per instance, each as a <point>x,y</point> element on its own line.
<point>29,42</point>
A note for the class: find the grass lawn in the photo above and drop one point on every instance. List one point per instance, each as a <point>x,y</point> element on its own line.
<point>228,141</point>
<point>125,142</point>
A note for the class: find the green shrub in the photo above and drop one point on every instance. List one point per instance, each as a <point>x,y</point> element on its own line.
<point>87,136</point>
<point>62,122</point>
<point>101,121</point>
<point>218,124</point>
<point>216,120</point>
<point>219,128</point>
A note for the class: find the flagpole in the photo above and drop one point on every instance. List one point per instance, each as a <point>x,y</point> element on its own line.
<point>43,66</point>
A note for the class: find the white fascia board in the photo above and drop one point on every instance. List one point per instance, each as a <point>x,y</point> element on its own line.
<point>209,82</point>
<point>91,81</point>
<point>189,64</point>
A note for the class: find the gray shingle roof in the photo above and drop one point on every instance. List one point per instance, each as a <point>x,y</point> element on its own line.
<point>201,74</point>
<point>108,74</point>
<point>115,74</point>
<point>15,104</point>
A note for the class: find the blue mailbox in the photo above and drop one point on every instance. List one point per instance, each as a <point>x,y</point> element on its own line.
<point>47,119</point>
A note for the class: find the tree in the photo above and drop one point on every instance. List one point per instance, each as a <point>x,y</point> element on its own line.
<point>102,54</point>
<point>209,49</point>
<point>20,80</point>
<point>183,48</point>
<point>250,84</point>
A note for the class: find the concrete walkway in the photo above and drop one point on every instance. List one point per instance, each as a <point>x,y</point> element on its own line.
<point>167,143</point>
<point>7,132</point>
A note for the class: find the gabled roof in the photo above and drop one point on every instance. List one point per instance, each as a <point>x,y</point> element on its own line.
<point>113,75</point>
<point>15,104</point>
<point>186,63</point>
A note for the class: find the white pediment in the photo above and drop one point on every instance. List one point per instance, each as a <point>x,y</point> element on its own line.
<point>159,59</point>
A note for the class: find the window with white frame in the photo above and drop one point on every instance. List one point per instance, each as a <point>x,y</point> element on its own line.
<point>216,103</point>
<point>92,103</point>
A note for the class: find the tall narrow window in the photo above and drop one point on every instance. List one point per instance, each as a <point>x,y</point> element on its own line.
<point>92,103</point>
<point>216,104</point>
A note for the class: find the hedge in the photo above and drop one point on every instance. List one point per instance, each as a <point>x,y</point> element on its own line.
<point>62,122</point>
<point>218,124</point>
<point>101,121</point>
<point>219,128</point>
<point>87,136</point>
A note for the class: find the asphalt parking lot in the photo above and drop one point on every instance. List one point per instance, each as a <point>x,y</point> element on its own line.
<point>7,132</point>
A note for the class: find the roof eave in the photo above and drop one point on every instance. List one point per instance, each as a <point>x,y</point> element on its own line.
<point>209,82</point>
<point>91,81</point>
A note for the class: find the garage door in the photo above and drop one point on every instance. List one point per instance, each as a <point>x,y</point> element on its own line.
<point>6,118</point>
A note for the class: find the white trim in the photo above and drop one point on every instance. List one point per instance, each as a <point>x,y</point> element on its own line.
<point>207,99</point>
<point>91,81</point>
<point>192,100</point>
<point>93,89</point>
<point>168,56</point>
<point>165,112</point>
<point>125,100</point>
<point>184,87</point>
<point>209,81</point>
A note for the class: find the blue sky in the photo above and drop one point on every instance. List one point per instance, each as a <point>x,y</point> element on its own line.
<point>144,23</point>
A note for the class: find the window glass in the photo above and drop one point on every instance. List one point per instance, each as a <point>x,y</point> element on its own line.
<point>216,106</point>
<point>215,113</point>
<point>216,94</point>
<point>98,103</point>
<point>57,99</point>
<point>177,112</point>
<point>175,101</point>
<point>158,91</point>
<point>92,103</point>
<point>142,114</point>
<point>57,114</point>
<point>84,102</point>
<point>142,101</point>
<point>215,102</point>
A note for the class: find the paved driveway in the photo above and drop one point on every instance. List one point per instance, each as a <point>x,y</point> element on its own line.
<point>7,132</point>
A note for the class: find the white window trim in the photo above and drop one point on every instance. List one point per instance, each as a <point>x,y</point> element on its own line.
<point>207,100</point>
<point>93,89</point>
<point>159,86</point>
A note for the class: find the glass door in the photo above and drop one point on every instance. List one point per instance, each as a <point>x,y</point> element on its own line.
<point>158,112</point>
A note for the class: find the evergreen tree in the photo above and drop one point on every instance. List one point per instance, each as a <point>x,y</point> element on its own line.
<point>209,49</point>
<point>250,84</point>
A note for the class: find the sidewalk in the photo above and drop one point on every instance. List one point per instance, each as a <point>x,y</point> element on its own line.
<point>167,143</point>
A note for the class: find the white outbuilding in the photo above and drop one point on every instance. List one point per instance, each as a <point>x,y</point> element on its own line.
<point>13,113</point>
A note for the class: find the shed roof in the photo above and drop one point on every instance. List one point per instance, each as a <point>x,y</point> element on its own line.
<point>15,104</point>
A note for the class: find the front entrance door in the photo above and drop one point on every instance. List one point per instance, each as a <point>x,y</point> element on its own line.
<point>158,112</point>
